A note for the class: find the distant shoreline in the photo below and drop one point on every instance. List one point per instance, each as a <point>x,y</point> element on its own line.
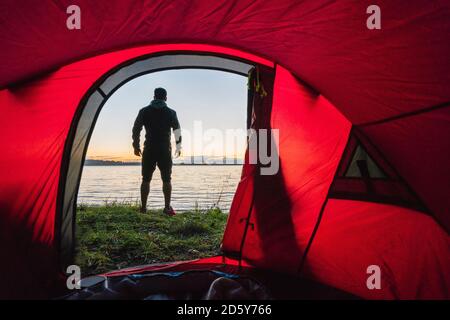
<point>175,164</point>
<point>106,163</point>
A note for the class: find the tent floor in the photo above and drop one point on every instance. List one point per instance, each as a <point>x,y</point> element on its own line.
<point>286,287</point>
<point>215,281</point>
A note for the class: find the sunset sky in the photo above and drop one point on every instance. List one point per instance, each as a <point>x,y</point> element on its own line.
<point>203,100</point>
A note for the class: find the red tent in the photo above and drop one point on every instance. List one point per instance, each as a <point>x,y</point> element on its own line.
<point>363,121</point>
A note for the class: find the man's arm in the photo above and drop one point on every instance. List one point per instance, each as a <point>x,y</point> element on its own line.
<point>177,133</point>
<point>137,128</point>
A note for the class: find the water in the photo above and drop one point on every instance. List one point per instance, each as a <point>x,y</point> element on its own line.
<point>193,187</point>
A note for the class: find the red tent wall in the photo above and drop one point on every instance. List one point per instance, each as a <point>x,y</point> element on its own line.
<point>312,137</point>
<point>410,248</point>
<point>418,146</point>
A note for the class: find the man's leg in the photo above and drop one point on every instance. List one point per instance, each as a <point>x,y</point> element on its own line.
<point>145,190</point>
<point>165,167</point>
<point>167,190</point>
<point>148,167</point>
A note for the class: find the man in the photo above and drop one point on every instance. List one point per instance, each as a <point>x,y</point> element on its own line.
<point>158,119</point>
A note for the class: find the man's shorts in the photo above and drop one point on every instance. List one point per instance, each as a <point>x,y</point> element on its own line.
<point>156,157</point>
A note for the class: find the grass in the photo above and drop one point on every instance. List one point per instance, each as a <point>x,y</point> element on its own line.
<point>116,236</point>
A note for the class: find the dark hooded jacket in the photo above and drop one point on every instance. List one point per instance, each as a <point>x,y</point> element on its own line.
<point>158,120</point>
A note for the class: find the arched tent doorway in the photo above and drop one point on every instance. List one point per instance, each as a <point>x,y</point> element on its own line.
<point>91,105</point>
<point>33,219</point>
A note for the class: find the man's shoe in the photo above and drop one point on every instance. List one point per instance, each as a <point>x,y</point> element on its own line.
<point>169,211</point>
<point>142,210</point>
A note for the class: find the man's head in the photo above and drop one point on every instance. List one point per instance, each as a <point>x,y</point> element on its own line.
<point>160,94</point>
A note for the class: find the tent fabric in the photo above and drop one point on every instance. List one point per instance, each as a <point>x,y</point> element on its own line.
<point>364,174</point>
<point>326,75</point>
<point>354,235</point>
<point>312,137</point>
<point>423,139</point>
<point>259,109</point>
<point>330,38</point>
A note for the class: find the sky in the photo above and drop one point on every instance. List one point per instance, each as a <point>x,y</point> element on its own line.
<point>211,107</point>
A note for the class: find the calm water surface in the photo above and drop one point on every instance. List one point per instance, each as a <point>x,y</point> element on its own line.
<point>199,187</point>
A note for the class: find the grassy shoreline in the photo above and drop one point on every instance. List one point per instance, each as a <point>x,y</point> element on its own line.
<point>116,236</point>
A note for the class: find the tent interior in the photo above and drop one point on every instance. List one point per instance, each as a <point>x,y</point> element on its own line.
<point>359,123</point>
<point>173,280</point>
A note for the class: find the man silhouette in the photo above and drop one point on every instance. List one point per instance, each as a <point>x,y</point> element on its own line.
<point>158,120</point>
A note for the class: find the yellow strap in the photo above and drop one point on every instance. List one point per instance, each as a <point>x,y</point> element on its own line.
<point>259,85</point>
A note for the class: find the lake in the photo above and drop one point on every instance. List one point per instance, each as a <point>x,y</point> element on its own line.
<point>200,186</point>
